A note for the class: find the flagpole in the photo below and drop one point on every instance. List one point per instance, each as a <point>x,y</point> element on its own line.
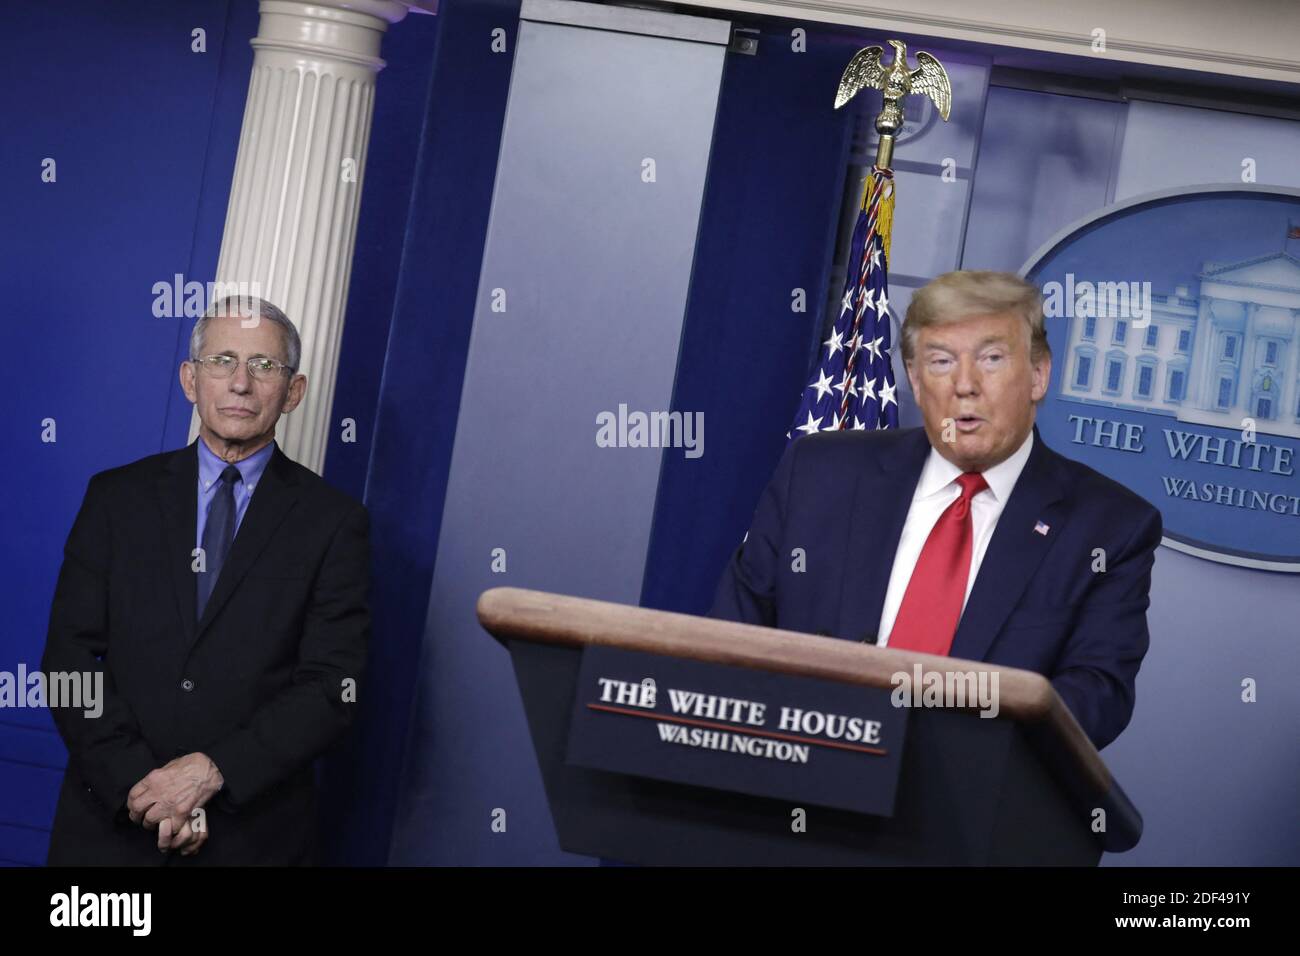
<point>888,123</point>
<point>861,337</point>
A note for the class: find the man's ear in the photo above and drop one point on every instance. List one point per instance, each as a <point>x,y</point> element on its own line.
<point>911,377</point>
<point>1042,376</point>
<point>187,382</point>
<point>297,391</point>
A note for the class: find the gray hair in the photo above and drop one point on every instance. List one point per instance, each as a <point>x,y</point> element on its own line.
<point>954,296</point>
<point>249,305</point>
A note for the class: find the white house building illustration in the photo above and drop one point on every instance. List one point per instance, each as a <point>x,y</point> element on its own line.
<point>1227,353</point>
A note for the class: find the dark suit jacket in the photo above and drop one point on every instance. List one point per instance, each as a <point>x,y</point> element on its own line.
<point>257,684</point>
<point>1036,604</point>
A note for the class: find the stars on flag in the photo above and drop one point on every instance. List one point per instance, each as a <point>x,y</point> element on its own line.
<point>853,385</point>
<point>810,426</point>
<point>822,385</point>
<point>835,343</point>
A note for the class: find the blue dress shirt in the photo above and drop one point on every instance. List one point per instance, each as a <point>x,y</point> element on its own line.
<point>210,469</point>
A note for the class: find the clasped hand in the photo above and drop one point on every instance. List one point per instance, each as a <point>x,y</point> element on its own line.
<point>167,797</point>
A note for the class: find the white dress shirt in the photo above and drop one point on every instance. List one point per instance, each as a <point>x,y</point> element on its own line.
<point>935,491</point>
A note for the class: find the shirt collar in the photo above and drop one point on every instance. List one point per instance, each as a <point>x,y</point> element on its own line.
<point>250,468</point>
<point>938,472</point>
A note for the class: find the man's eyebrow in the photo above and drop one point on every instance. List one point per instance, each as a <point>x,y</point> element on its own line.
<point>987,340</point>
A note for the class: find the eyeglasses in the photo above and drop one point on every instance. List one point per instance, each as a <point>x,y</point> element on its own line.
<point>259,367</point>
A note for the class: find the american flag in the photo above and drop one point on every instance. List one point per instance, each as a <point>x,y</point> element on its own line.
<point>853,386</point>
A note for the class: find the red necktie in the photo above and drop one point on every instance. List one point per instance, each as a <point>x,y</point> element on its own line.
<point>927,619</point>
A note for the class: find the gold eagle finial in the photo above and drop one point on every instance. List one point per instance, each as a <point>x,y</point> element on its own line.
<point>866,70</point>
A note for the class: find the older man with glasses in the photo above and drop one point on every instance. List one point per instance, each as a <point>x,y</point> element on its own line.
<point>222,591</point>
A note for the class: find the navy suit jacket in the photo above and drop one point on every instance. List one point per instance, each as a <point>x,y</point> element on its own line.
<point>1036,604</point>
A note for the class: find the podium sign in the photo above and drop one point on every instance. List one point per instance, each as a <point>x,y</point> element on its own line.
<point>763,733</point>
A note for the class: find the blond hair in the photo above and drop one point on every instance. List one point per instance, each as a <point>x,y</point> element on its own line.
<point>954,296</point>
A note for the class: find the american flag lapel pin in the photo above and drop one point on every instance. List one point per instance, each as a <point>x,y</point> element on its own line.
<point>1041,528</point>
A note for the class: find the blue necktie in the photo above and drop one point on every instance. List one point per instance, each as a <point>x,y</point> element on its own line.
<point>218,534</point>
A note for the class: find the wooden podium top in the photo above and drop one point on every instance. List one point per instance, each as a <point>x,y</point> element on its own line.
<point>1024,696</point>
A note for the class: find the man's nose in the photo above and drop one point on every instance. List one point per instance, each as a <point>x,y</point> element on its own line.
<point>967,380</point>
<point>241,381</point>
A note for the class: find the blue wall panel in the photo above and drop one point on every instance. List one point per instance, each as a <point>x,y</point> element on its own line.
<point>356,782</point>
<point>419,396</point>
<point>527,476</point>
<point>776,178</point>
<point>135,150</point>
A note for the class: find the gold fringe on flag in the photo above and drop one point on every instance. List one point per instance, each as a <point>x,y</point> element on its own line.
<point>885,219</point>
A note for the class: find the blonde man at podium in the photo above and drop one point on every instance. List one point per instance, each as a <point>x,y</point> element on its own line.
<point>968,537</point>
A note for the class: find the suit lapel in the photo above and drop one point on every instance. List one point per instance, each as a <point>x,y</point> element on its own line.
<point>1015,552</point>
<point>881,498</point>
<point>178,495</point>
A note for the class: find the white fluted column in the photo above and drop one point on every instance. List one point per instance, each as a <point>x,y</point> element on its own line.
<point>294,202</point>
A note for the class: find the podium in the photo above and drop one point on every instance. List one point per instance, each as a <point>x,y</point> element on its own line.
<point>1024,788</point>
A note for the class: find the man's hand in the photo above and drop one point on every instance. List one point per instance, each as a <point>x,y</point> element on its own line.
<point>170,793</point>
<point>188,840</point>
